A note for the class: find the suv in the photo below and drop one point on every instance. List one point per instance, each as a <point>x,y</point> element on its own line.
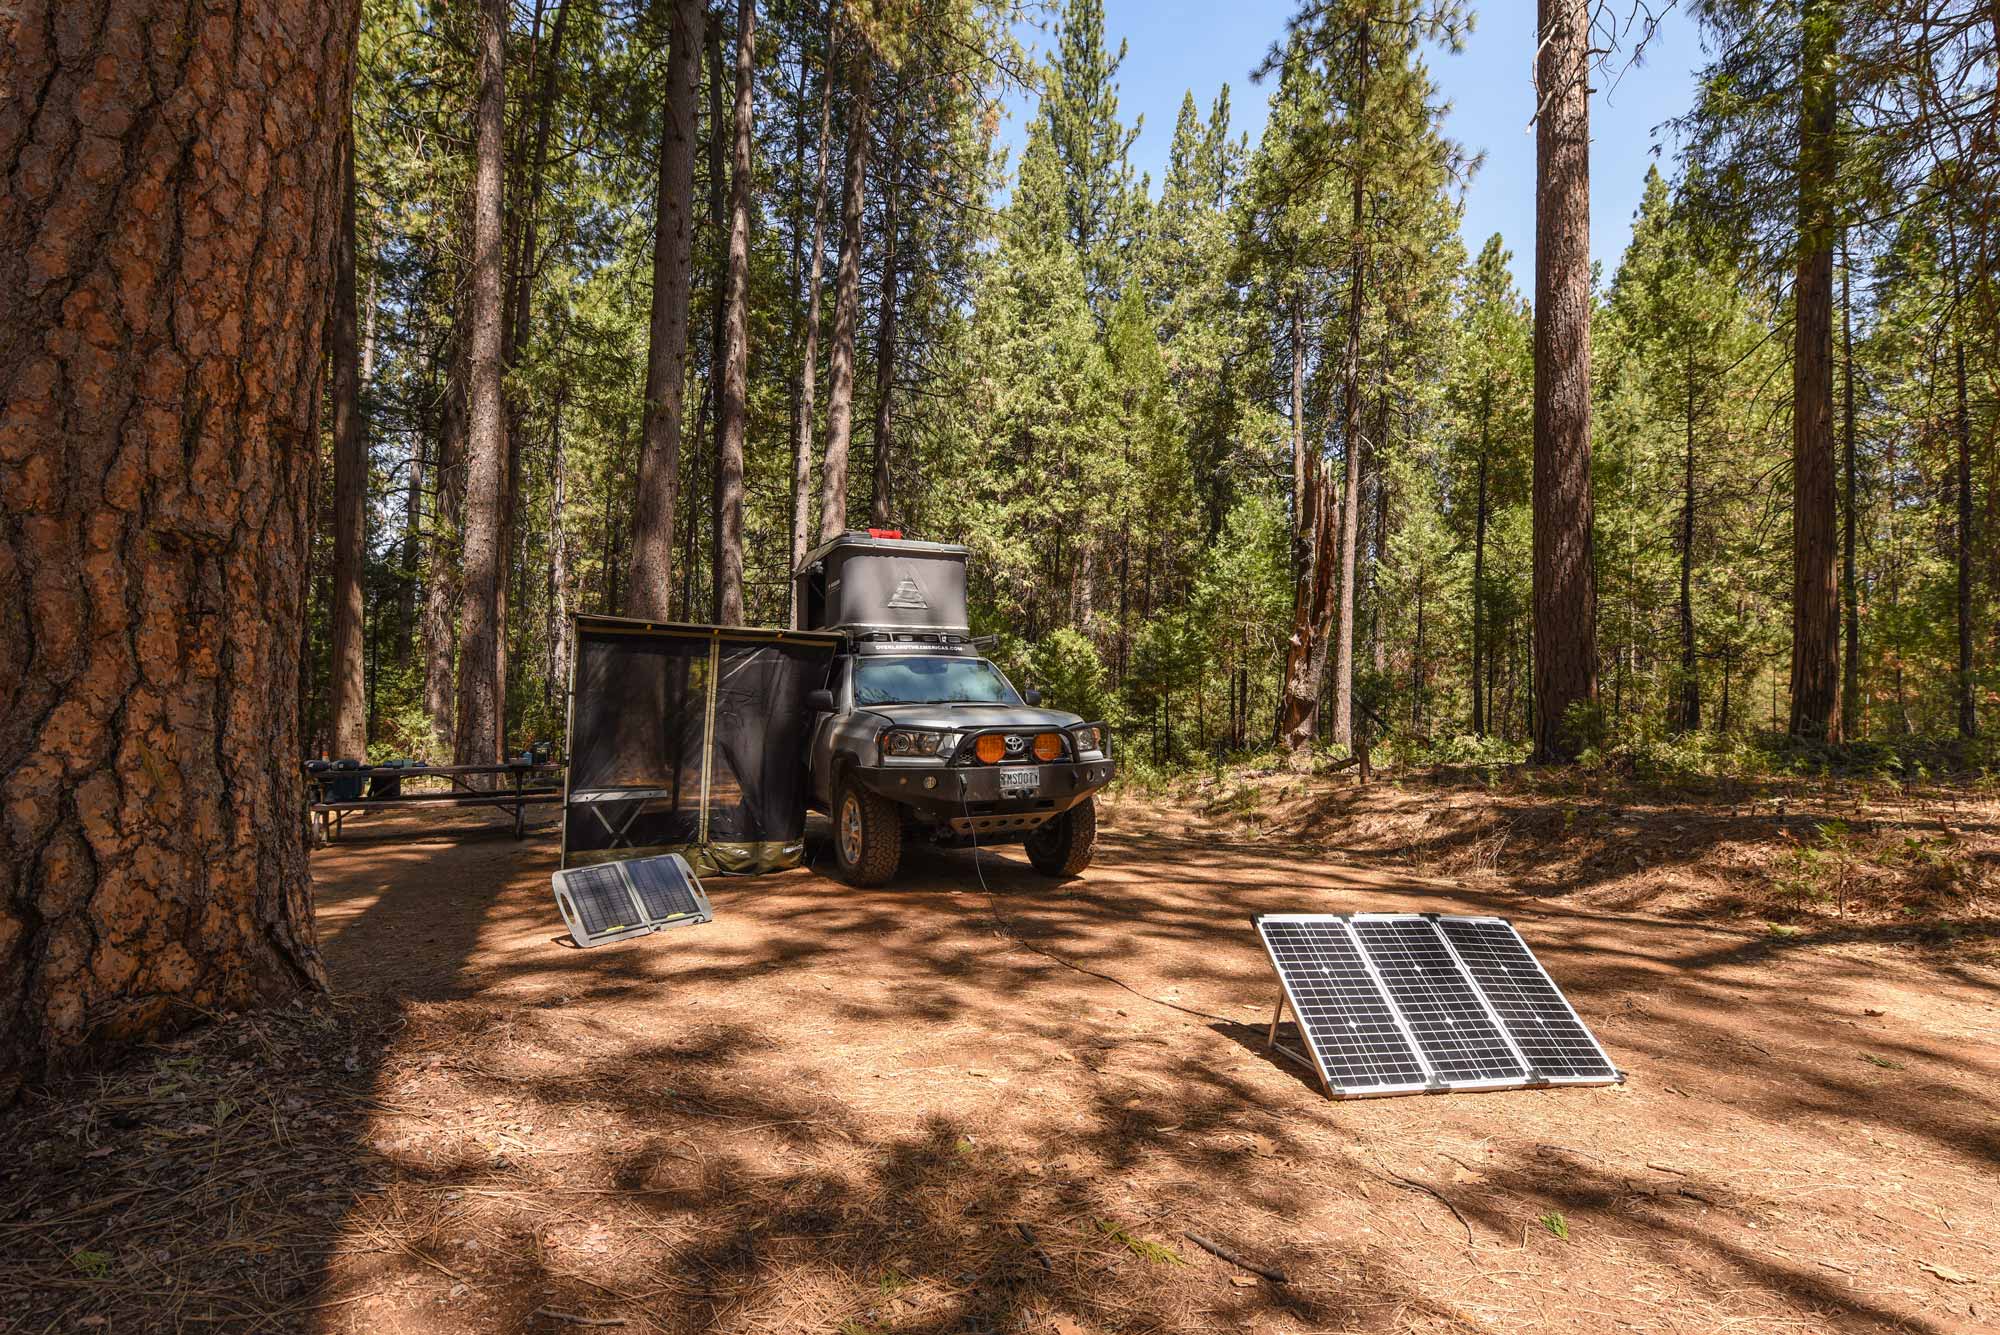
<point>916,735</point>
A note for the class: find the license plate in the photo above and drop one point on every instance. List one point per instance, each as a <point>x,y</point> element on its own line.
<point>1020,780</point>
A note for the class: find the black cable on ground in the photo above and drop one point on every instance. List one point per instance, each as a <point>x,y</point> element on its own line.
<point>1007,930</point>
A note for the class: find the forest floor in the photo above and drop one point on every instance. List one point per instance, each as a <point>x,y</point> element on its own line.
<point>904,1110</point>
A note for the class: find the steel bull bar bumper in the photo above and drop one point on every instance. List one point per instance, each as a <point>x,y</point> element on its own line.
<point>969,799</point>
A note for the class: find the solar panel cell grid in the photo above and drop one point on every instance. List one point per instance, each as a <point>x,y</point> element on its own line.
<point>1340,1009</point>
<point>602,902</point>
<point>1452,1028</point>
<point>662,887</point>
<point>1528,1002</point>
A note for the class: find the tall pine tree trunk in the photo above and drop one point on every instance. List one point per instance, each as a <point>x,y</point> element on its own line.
<point>1850,593</point>
<point>1687,694</point>
<point>1815,533</point>
<point>1480,647</point>
<point>441,563</point>
<point>885,331</point>
<point>1350,415</point>
<point>1565,628</point>
<point>1301,525</point>
<point>802,427</point>
<point>649,586</point>
<point>846,301</point>
<point>166,254</point>
<point>1968,715</point>
<point>736,353</point>
<point>480,699</point>
<point>347,687</point>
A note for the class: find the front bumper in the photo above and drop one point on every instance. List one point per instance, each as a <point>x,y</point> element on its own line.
<point>967,799</point>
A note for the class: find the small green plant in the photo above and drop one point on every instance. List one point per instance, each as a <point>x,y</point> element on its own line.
<point>1554,1222</point>
<point>1882,1062</point>
<point>1140,1247</point>
<point>97,1265</point>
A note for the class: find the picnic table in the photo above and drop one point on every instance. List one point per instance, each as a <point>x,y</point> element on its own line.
<point>374,787</point>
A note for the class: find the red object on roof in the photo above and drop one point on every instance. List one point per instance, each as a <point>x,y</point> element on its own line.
<point>885,533</point>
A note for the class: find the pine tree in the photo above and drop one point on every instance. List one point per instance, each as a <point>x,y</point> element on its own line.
<point>1099,197</point>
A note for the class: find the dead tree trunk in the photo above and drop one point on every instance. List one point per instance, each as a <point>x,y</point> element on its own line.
<point>347,686</point>
<point>846,300</point>
<point>1565,629</point>
<point>802,428</point>
<point>648,588</point>
<point>1815,710</point>
<point>162,352</point>
<point>736,356</point>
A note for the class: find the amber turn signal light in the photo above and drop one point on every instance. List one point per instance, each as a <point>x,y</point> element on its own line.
<point>990,748</point>
<point>1048,746</point>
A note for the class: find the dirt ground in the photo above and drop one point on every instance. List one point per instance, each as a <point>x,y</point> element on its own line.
<point>900,1111</point>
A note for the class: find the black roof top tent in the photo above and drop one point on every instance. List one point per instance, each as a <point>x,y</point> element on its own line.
<point>867,583</point>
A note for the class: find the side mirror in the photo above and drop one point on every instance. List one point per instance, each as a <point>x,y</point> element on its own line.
<point>1031,695</point>
<point>822,701</point>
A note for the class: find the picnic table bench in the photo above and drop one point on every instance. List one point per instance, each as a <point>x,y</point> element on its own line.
<point>337,792</point>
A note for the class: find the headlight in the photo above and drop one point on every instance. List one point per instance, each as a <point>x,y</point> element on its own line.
<point>1089,740</point>
<point>911,742</point>
<point>1048,746</point>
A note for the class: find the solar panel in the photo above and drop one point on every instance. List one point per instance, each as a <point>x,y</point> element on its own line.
<point>1349,1026</point>
<point>1453,1029</point>
<point>1533,1009</point>
<point>610,901</point>
<point>1392,1003</point>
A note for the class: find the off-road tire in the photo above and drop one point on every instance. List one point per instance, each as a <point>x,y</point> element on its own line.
<point>867,836</point>
<point>1063,846</point>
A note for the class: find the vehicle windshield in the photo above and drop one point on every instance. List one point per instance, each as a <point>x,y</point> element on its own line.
<point>930,681</point>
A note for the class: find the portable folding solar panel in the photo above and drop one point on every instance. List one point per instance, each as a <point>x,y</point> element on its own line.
<point>1407,1003</point>
<point>610,901</point>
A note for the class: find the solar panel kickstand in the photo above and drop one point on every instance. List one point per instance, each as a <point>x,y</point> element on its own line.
<point>1271,1043</point>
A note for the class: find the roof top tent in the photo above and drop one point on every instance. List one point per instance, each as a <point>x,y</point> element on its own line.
<point>875,582</point>
<point>687,739</point>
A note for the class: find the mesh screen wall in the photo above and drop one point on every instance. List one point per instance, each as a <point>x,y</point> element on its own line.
<point>689,739</point>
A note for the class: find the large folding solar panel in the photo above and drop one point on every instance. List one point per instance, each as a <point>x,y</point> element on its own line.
<point>610,901</point>
<point>1403,1003</point>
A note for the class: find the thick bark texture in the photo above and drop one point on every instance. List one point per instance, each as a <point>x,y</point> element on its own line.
<point>1312,608</point>
<point>169,197</point>
<point>846,303</point>
<point>736,334</point>
<point>648,589</point>
<point>347,682</point>
<point>1815,530</point>
<point>481,702</point>
<point>885,339</point>
<point>802,427</point>
<point>1565,635</point>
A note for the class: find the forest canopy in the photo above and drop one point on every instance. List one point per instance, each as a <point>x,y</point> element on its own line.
<point>745,274</point>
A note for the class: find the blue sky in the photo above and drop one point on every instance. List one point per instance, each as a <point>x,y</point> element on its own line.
<point>1177,45</point>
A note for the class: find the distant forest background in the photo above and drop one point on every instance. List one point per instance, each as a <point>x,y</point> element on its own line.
<point>641,300</point>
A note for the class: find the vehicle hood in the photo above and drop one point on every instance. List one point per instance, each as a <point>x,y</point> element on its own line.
<point>966,718</point>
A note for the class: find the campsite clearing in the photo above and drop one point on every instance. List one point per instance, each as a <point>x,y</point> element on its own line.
<point>896,1111</point>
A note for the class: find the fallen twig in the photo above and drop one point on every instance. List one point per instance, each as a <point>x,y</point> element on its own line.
<point>575,1320</point>
<point>1214,1248</point>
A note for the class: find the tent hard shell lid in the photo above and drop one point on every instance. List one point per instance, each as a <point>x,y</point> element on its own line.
<point>687,739</point>
<point>866,581</point>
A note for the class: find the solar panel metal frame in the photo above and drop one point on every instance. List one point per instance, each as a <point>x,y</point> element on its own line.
<point>1531,1076</point>
<point>1543,1076</point>
<point>644,922</point>
<point>1313,1057</point>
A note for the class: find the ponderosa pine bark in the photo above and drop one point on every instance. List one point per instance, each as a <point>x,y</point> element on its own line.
<point>1815,713</point>
<point>736,334</point>
<point>1565,578</point>
<point>885,332</point>
<point>846,300</point>
<point>347,682</point>
<point>481,632</point>
<point>169,198</point>
<point>1850,596</point>
<point>648,588</point>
